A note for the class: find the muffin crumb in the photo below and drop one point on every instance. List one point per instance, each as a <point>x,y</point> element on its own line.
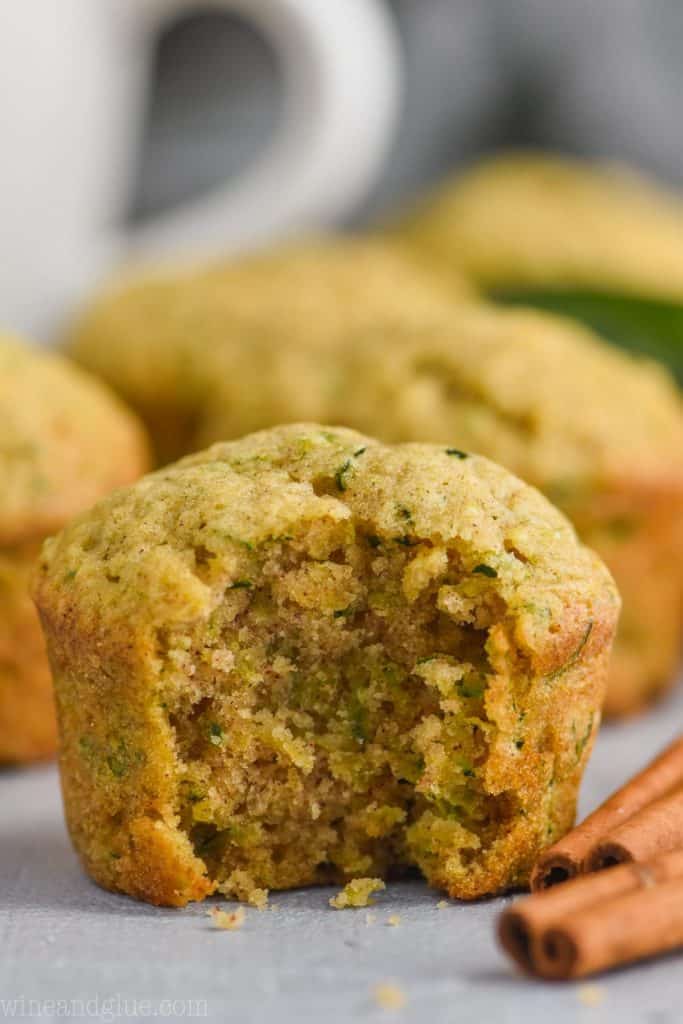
<point>227,920</point>
<point>394,920</point>
<point>357,893</point>
<point>258,898</point>
<point>240,886</point>
<point>591,995</point>
<point>389,996</point>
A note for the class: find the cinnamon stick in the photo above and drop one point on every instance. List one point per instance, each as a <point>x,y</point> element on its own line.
<point>656,829</point>
<point>640,924</point>
<point>566,858</point>
<point>524,927</point>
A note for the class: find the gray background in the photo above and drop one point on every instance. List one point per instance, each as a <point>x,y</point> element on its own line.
<point>63,938</point>
<point>600,77</point>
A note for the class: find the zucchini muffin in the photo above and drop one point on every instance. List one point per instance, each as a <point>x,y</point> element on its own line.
<point>596,242</point>
<point>64,442</point>
<point>599,432</point>
<point>306,656</point>
<point>163,341</point>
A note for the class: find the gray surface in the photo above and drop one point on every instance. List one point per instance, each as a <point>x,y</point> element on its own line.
<point>64,939</point>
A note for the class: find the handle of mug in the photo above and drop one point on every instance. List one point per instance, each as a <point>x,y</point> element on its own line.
<point>340,65</point>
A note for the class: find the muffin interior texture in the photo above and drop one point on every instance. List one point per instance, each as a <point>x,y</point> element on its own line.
<point>343,744</point>
<point>305,656</point>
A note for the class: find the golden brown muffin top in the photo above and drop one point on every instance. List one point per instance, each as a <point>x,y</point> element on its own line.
<point>537,393</point>
<point>169,548</point>
<point>536,219</point>
<point>64,441</point>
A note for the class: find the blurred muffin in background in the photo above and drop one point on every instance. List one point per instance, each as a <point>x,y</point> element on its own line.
<point>599,243</point>
<point>64,443</point>
<point>165,340</point>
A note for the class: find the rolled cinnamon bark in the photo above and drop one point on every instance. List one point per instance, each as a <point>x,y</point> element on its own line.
<point>631,927</point>
<point>566,858</point>
<point>655,830</point>
<point>523,927</point>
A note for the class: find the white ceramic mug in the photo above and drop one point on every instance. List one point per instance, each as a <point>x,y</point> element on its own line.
<point>73,82</point>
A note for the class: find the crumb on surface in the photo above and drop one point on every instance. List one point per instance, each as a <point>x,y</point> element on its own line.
<point>227,920</point>
<point>442,904</point>
<point>369,919</point>
<point>389,996</point>
<point>394,920</point>
<point>591,995</point>
<point>241,886</point>
<point>357,893</point>
<point>258,898</point>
